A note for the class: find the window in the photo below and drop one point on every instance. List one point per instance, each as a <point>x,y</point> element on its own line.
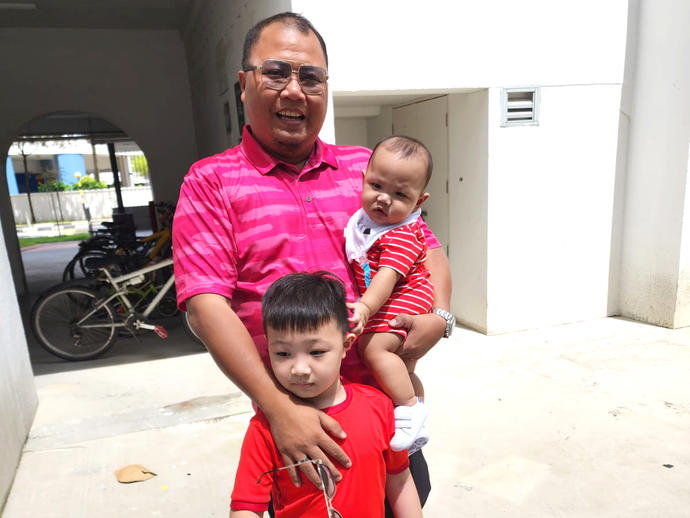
<point>520,106</point>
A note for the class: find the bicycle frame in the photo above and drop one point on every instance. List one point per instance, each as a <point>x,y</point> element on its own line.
<point>120,284</point>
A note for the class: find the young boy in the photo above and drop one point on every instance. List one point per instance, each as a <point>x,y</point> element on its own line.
<point>387,251</point>
<point>306,323</point>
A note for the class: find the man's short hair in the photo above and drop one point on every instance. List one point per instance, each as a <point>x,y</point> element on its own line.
<point>295,20</point>
<point>406,147</point>
<point>304,302</point>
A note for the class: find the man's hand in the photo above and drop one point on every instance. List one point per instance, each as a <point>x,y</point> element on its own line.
<point>300,432</point>
<point>360,315</point>
<point>423,332</point>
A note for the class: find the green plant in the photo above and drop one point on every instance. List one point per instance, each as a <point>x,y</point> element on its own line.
<point>88,183</point>
<point>140,165</point>
<point>54,186</point>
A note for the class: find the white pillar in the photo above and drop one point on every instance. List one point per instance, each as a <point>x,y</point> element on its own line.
<point>655,251</point>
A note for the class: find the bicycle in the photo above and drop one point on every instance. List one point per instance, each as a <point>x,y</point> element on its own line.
<point>81,320</point>
<point>121,244</point>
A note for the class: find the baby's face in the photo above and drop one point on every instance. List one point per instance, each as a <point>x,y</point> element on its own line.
<point>393,187</point>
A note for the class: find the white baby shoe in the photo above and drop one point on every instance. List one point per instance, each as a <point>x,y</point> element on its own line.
<point>409,427</point>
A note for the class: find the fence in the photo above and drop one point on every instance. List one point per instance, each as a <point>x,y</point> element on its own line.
<point>67,205</point>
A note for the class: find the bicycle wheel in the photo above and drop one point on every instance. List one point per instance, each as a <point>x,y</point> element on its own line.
<point>55,322</point>
<point>75,267</point>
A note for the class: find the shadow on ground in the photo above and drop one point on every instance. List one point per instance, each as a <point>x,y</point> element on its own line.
<point>43,266</point>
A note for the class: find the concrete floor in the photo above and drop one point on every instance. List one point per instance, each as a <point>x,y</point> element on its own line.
<point>584,420</point>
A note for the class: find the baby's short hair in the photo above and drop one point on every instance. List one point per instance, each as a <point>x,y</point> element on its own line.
<point>407,147</point>
<point>304,302</point>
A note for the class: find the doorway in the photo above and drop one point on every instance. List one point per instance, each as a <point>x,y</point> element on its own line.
<point>427,121</point>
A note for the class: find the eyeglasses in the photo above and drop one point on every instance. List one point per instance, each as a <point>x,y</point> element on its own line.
<point>326,481</point>
<point>276,75</point>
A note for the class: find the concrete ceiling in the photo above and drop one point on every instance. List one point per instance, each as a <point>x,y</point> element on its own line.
<point>96,14</point>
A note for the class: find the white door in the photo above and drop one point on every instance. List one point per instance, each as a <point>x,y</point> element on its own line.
<point>427,121</point>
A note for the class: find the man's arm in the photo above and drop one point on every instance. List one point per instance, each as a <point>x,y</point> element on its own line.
<point>424,331</point>
<point>297,429</point>
<point>402,495</point>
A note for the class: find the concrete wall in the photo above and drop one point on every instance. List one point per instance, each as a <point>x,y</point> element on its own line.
<point>136,80</point>
<point>380,127</point>
<point>213,44</point>
<point>18,400</point>
<point>100,203</point>
<point>550,195</point>
<point>655,250</point>
<point>351,131</point>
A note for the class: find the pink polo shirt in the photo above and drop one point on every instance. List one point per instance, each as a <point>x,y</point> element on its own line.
<point>244,219</point>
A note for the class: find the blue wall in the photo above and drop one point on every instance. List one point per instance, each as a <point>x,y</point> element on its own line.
<point>11,177</point>
<point>68,164</point>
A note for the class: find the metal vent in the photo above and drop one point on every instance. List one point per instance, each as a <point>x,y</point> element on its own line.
<point>520,106</point>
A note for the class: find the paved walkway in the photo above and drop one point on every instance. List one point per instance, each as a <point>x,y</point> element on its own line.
<point>583,420</point>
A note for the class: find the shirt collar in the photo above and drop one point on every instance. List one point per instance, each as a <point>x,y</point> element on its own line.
<point>264,162</point>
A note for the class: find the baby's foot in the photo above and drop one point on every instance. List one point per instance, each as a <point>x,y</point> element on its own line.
<point>419,442</point>
<point>409,423</point>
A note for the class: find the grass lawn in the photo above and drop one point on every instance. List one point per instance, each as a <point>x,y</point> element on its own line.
<point>28,241</point>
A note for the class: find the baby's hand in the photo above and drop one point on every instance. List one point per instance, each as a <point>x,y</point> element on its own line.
<point>360,315</point>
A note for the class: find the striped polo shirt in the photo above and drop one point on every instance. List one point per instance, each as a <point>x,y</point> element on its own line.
<point>245,219</point>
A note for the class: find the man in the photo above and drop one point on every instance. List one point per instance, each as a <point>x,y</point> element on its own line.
<point>277,204</point>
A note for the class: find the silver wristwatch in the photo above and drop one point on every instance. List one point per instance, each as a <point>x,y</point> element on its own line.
<point>448,317</point>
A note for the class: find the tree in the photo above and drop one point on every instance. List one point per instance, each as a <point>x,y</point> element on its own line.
<point>140,165</point>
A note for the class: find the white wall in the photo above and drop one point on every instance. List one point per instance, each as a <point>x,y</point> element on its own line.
<point>351,131</point>
<point>136,80</point>
<point>406,44</point>
<point>551,191</point>
<point>468,155</point>
<point>100,203</point>
<point>655,257</point>
<point>18,400</point>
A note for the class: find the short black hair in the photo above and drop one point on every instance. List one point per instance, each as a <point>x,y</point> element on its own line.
<point>288,18</point>
<point>304,302</point>
<point>407,147</point>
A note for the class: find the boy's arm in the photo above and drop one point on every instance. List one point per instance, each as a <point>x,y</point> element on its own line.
<point>402,495</point>
<point>245,514</point>
<point>378,292</point>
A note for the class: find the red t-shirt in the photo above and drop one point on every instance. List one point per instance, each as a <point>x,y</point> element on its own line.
<point>366,415</point>
<point>404,250</point>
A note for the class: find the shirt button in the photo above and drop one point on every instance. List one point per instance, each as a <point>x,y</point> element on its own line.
<point>309,199</point>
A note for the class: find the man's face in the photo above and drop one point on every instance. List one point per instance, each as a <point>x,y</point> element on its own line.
<point>307,363</point>
<point>285,122</point>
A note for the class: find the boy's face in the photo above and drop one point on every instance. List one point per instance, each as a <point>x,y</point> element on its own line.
<point>393,187</point>
<point>307,363</point>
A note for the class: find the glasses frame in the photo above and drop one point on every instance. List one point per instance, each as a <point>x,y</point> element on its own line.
<point>326,480</point>
<point>322,86</point>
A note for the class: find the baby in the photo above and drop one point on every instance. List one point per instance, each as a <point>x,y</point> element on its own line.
<point>387,250</point>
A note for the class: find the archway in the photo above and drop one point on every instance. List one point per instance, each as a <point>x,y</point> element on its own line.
<point>71,170</point>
